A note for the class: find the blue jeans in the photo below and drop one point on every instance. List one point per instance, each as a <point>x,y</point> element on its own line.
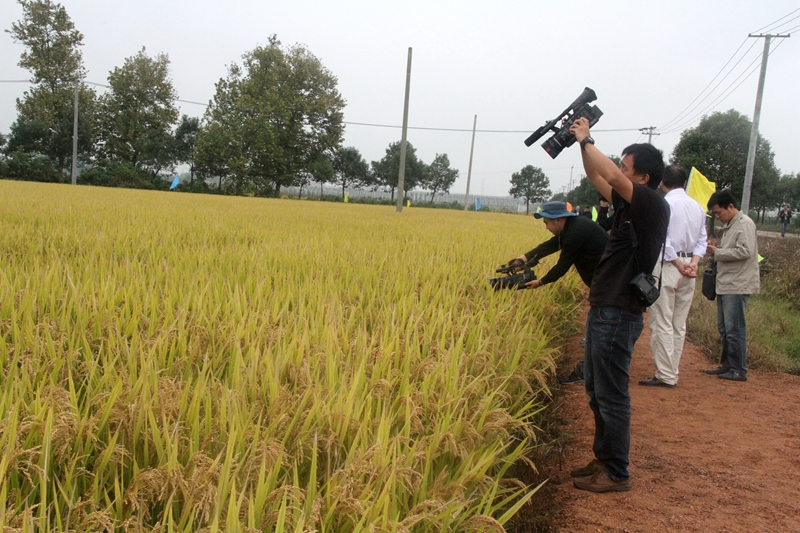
<point>732,331</point>
<point>611,333</point>
<point>783,228</point>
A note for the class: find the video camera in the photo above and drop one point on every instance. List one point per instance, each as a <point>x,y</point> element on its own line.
<point>511,280</point>
<point>563,138</point>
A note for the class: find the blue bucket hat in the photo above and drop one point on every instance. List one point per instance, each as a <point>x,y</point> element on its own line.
<point>555,210</point>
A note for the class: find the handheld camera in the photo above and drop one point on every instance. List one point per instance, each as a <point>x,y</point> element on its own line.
<point>562,137</point>
<point>513,280</point>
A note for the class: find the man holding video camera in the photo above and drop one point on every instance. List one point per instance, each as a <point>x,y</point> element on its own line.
<point>580,241</point>
<point>615,318</point>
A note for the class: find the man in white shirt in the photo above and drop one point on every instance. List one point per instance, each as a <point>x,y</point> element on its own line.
<point>685,246</point>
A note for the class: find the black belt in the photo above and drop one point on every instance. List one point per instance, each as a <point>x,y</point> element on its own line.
<point>685,254</point>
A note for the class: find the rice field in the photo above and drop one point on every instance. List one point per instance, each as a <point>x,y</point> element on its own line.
<point>175,362</point>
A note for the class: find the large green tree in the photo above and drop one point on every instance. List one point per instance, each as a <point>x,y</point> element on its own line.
<point>350,167</point>
<point>386,172</point>
<point>185,142</point>
<point>273,119</point>
<point>718,147</point>
<point>45,112</point>
<point>530,183</point>
<point>439,176</point>
<point>138,114</point>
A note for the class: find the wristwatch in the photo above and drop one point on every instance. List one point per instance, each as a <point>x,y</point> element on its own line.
<point>586,140</point>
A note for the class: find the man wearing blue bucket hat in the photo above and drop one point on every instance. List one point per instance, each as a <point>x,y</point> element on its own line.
<point>580,240</point>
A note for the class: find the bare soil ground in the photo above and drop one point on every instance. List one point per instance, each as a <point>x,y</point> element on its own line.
<point>707,456</point>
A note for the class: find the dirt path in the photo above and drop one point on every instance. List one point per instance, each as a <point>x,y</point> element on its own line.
<point>707,456</point>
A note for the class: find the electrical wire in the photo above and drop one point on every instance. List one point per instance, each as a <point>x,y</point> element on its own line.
<point>681,115</point>
<point>775,22</point>
<point>689,108</point>
<point>462,129</point>
<point>723,96</point>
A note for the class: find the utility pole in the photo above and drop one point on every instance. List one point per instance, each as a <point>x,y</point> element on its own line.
<point>570,177</point>
<point>75,136</point>
<point>751,151</point>
<point>650,132</point>
<point>402,175</point>
<point>469,170</point>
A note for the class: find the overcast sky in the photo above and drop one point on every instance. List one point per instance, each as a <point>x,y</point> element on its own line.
<point>513,64</point>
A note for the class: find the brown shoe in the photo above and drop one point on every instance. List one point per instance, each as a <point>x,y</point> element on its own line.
<point>600,482</point>
<point>591,469</point>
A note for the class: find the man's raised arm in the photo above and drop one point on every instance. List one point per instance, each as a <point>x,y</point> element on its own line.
<point>603,174</point>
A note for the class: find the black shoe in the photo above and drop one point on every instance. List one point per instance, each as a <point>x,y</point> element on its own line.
<point>572,378</point>
<point>717,371</point>
<point>655,382</point>
<point>733,375</point>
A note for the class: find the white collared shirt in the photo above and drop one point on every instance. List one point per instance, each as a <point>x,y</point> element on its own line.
<point>687,226</point>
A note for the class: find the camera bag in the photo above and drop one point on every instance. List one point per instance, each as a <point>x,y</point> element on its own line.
<point>643,285</point>
<point>710,281</point>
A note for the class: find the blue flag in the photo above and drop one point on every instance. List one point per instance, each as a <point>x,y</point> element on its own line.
<point>478,205</point>
<point>175,183</point>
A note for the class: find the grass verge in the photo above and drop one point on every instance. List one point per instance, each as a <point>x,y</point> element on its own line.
<point>773,317</point>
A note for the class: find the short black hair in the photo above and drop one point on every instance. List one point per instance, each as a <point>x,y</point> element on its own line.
<point>647,159</point>
<point>723,198</point>
<point>674,177</point>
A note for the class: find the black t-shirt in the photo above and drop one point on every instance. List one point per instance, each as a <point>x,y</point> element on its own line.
<point>581,243</point>
<point>648,212</point>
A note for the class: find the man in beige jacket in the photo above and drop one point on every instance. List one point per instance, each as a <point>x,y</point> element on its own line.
<point>737,278</point>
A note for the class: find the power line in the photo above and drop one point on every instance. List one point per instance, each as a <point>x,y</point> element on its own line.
<point>775,22</point>
<point>689,108</point>
<point>462,129</point>
<point>681,114</point>
<point>109,87</point>
<point>723,96</point>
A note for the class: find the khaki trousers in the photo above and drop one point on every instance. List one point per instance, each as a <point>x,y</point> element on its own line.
<point>668,320</point>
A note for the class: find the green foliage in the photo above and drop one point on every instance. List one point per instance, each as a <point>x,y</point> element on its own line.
<point>271,120</point>
<point>718,147</point>
<point>530,183</point>
<point>113,173</point>
<point>350,167</point>
<point>185,142</point>
<point>52,43</point>
<point>584,194</point>
<point>138,114</point>
<point>439,176</point>
<point>385,172</point>
<point>20,165</point>
<point>45,112</point>
<point>773,316</point>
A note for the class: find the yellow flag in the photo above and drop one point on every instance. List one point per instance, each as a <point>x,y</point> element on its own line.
<point>408,203</point>
<point>346,197</point>
<point>594,213</point>
<point>699,188</point>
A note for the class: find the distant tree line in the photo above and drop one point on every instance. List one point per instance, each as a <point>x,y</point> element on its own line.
<point>718,147</point>
<point>274,121</point>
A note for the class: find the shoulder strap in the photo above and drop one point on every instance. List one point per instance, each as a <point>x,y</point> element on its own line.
<point>635,244</point>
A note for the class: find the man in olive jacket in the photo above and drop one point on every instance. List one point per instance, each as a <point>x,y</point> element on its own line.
<point>737,278</point>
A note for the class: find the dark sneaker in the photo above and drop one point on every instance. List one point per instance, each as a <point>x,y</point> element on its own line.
<point>655,382</point>
<point>600,482</point>
<point>717,371</point>
<point>572,378</point>
<point>591,469</point>
<point>733,375</point>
